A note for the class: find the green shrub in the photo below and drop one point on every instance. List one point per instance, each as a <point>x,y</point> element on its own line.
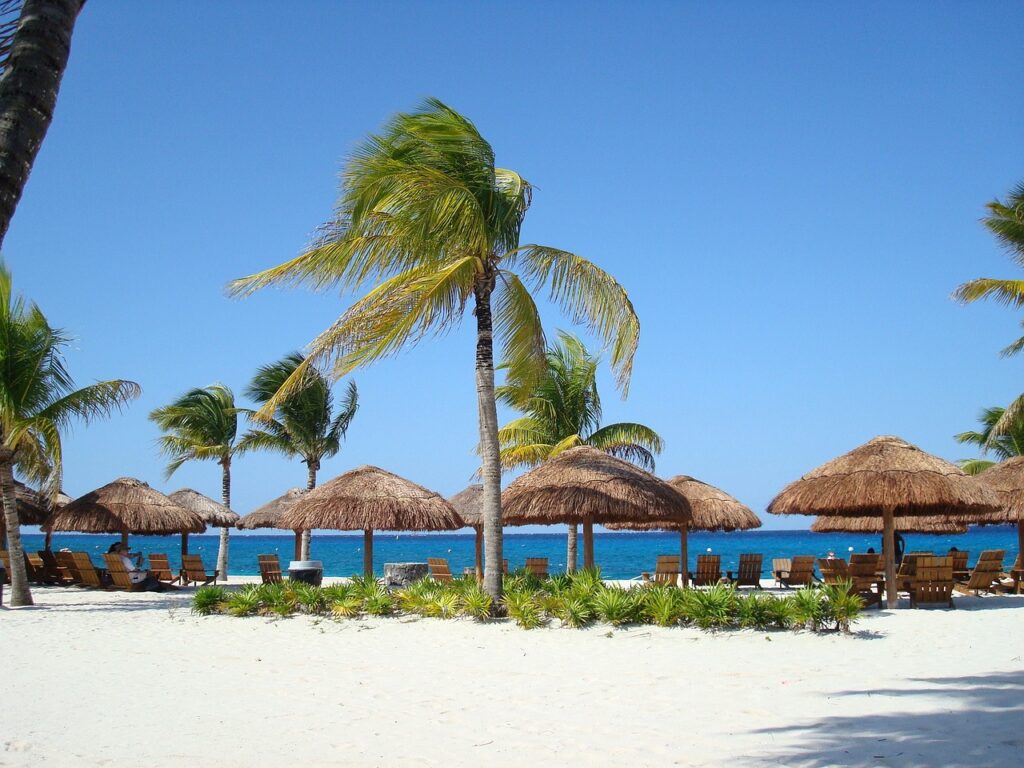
<point>346,605</point>
<point>808,608</point>
<point>443,604</point>
<point>782,612</point>
<point>713,608</point>
<point>841,607</point>
<point>379,603</point>
<point>756,611</point>
<point>616,605</point>
<point>244,602</point>
<point>208,600</point>
<point>308,598</point>
<point>662,605</point>
<point>524,609</point>
<point>572,610</point>
<point>476,603</point>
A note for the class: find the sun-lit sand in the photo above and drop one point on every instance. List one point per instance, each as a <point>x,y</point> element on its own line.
<point>102,678</point>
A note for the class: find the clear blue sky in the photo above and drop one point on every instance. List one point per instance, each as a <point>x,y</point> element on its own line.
<point>789,192</point>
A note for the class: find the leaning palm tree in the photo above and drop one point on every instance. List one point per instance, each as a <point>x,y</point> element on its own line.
<point>304,423</point>
<point>38,401</point>
<point>562,409</point>
<point>202,425</point>
<point>427,218</point>
<point>1004,445</point>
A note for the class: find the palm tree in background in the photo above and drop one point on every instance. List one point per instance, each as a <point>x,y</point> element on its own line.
<point>38,401</point>
<point>562,409</point>
<point>304,423</point>
<point>35,42</point>
<point>202,425</point>
<point>1006,222</point>
<point>1004,445</point>
<point>426,217</point>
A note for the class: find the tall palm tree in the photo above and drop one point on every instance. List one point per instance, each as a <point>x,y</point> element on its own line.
<point>35,42</point>
<point>38,401</point>
<point>304,423</point>
<point>562,410</point>
<point>1004,445</point>
<point>426,215</point>
<point>202,425</point>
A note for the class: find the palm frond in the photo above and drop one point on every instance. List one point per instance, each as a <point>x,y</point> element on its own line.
<point>975,466</point>
<point>1008,292</point>
<point>518,328</point>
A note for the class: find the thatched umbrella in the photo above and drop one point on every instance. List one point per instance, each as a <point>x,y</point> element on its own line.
<point>469,503</point>
<point>211,512</point>
<point>368,499</point>
<point>269,516</point>
<point>125,506</point>
<point>33,509</point>
<point>912,524</point>
<point>1006,479</point>
<point>712,509</point>
<point>886,477</point>
<point>585,486</point>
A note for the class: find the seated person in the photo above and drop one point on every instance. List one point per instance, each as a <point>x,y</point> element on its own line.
<point>136,573</point>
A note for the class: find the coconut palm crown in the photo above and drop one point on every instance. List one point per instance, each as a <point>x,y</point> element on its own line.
<point>1004,445</point>
<point>427,218</point>
<point>304,423</point>
<point>38,402</point>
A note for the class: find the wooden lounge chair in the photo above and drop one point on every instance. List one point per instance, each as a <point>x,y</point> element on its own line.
<point>1013,580</point>
<point>984,577</point>
<point>160,567</point>
<point>86,572</point>
<point>538,566</point>
<point>5,558</point>
<point>867,581</point>
<point>833,570</point>
<point>666,571</point>
<point>119,576</point>
<point>57,573</point>
<point>781,565</point>
<point>749,572</point>
<point>800,573</point>
<point>709,571</point>
<point>270,568</point>
<point>932,582</point>
<point>66,560</point>
<point>960,570</point>
<point>439,570</point>
<point>907,569</point>
<point>36,570</point>
<point>194,572</point>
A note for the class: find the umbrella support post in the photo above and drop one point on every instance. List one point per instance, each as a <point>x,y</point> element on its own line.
<point>1020,541</point>
<point>48,541</point>
<point>684,557</point>
<point>124,539</point>
<point>480,555</point>
<point>297,554</point>
<point>889,551</point>
<point>184,543</point>
<point>368,552</point>
<point>588,544</point>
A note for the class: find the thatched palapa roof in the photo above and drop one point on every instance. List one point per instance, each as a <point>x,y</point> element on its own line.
<point>885,472</point>
<point>583,485</point>
<point>712,508</point>
<point>1006,479</point>
<point>269,515</point>
<point>126,505</point>
<point>211,512</point>
<point>34,507</point>
<point>469,503</point>
<point>907,524</point>
<point>370,498</point>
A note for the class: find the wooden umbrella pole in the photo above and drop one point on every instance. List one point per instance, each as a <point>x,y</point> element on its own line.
<point>184,543</point>
<point>588,544</point>
<point>479,554</point>
<point>368,552</point>
<point>297,554</point>
<point>684,556</point>
<point>48,541</point>
<point>124,538</point>
<point>889,550</point>
<point>1020,542</point>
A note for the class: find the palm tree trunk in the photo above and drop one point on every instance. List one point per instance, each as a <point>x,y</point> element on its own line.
<point>28,92</point>
<point>20,592</point>
<point>570,549</point>
<point>490,470</point>
<point>310,485</point>
<point>225,495</point>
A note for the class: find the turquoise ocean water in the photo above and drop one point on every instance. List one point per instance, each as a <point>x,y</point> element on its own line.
<point>620,555</point>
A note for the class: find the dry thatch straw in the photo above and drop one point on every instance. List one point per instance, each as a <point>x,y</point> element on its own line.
<point>124,506</point>
<point>269,515</point>
<point>34,507</point>
<point>910,524</point>
<point>469,503</point>
<point>1006,479</point>
<point>712,510</point>
<point>370,498</point>
<point>885,472</point>
<point>211,512</point>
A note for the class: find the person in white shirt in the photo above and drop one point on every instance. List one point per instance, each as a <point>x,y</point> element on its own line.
<point>136,573</point>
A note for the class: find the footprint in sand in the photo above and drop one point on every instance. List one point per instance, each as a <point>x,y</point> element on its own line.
<point>17,746</point>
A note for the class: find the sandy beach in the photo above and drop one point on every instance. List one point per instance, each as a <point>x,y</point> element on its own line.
<point>105,678</point>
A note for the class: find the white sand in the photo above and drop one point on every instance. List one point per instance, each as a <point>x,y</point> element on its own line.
<point>136,680</point>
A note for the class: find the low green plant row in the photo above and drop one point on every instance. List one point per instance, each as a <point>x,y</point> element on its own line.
<point>574,600</point>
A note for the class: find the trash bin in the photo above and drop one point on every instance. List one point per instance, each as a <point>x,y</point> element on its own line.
<point>307,571</point>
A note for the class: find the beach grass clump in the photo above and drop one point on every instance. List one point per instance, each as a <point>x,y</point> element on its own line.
<point>617,606</point>
<point>208,600</point>
<point>842,606</point>
<point>757,611</point>
<point>808,608</point>
<point>713,608</point>
<point>524,608</point>
<point>662,605</point>
<point>243,602</point>
<point>476,603</point>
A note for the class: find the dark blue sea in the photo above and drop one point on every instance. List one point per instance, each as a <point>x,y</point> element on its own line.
<point>620,555</point>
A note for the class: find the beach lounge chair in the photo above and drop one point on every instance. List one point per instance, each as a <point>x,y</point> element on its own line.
<point>960,570</point>
<point>194,572</point>
<point>270,568</point>
<point>867,582</point>
<point>85,571</point>
<point>749,572</point>
<point>1013,580</point>
<point>118,573</point>
<point>538,566</point>
<point>439,570</point>
<point>36,570</point>
<point>160,567</point>
<point>833,570</point>
<point>984,577</point>
<point>5,558</point>
<point>709,571</point>
<point>780,565</point>
<point>66,561</point>
<point>666,571</point>
<point>54,571</point>
<point>800,573</point>
<point>933,581</point>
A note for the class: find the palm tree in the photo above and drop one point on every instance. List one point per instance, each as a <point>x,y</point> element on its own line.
<point>562,410</point>
<point>1004,445</point>
<point>202,425</point>
<point>35,41</point>
<point>304,424</point>
<point>38,401</point>
<point>424,213</point>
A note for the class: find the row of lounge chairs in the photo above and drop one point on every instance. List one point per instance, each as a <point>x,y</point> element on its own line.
<point>77,569</point>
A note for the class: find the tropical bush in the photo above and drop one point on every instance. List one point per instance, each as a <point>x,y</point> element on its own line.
<point>569,600</point>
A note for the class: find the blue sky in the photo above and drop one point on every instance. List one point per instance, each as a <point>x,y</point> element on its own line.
<point>789,192</point>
